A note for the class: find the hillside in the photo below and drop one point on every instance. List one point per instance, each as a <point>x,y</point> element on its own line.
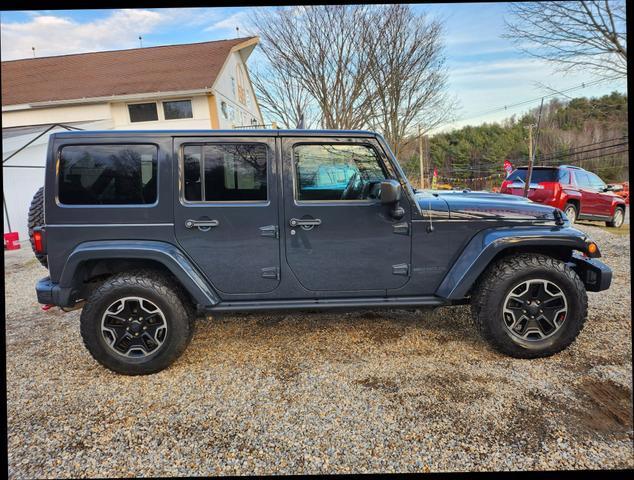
<point>588,132</point>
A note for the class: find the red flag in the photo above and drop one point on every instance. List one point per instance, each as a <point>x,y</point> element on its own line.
<point>434,179</point>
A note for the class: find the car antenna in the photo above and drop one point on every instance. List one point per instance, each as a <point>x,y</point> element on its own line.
<point>430,227</point>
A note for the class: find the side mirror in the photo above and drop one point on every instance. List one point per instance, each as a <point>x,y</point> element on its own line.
<point>390,195</point>
<point>390,192</point>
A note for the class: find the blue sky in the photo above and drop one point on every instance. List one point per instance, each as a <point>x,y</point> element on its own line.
<point>485,71</point>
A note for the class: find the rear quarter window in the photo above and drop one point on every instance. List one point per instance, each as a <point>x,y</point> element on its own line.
<point>107,174</point>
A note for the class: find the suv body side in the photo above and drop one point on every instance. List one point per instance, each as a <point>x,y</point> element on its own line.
<point>277,240</point>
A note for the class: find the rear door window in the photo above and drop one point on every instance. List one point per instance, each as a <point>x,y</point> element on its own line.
<point>225,172</point>
<point>582,179</point>
<point>108,174</point>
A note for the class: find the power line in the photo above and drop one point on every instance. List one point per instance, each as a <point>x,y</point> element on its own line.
<point>527,102</point>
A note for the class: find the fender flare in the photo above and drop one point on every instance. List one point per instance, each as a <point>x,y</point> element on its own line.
<point>165,253</point>
<point>486,244</point>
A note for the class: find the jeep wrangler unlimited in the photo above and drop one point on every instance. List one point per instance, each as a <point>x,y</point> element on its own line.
<point>148,230</point>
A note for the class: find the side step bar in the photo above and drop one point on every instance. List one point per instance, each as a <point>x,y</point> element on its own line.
<point>329,303</point>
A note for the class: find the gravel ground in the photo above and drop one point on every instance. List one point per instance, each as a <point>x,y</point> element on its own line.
<point>320,393</point>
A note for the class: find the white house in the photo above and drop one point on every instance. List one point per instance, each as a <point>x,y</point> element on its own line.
<point>191,86</point>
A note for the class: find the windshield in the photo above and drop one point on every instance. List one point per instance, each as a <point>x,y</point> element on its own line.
<point>538,175</point>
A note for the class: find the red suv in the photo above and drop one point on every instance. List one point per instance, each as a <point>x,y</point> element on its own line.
<point>579,193</point>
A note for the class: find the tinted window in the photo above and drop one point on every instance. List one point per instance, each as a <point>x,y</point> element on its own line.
<point>143,112</point>
<point>538,175</point>
<point>581,179</point>
<point>337,172</point>
<point>107,175</point>
<point>595,181</point>
<point>229,172</point>
<point>178,109</point>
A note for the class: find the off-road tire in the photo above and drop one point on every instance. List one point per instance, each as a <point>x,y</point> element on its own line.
<point>496,283</point>
<point>617,222</point>
<point>567,208</point>
<point>36,219</point>
<point>154,287</point>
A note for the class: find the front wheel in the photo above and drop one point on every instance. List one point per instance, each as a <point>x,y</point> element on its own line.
<point>135,323</point>
<point>617,219</point>
<point>530,305</point>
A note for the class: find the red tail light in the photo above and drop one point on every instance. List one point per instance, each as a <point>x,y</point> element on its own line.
<point>37,242</point>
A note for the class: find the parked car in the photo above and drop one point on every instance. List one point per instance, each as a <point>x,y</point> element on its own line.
<point>582,195</point>
<point>625,193</point>
<point>145,231</point>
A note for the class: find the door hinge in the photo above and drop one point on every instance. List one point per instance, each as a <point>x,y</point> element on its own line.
<point>400,269</point>
<point>401,228</point>
<point>270,231</point>
<point>271,272</point>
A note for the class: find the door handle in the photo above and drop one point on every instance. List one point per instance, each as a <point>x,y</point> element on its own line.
<point>202,225</point>
<point>304,222</point>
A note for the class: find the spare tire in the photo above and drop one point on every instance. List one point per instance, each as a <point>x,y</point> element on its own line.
<point>36,219</point>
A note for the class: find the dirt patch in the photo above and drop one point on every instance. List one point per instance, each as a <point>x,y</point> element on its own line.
<point>608,406</point>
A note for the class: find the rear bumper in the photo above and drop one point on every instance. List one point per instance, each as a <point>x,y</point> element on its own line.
<point>50,293</point>
<point>595,275</point>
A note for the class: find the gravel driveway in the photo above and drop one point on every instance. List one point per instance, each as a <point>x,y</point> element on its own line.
<point>310,393</point>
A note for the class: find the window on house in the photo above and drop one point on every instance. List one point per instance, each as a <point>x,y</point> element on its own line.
<point>223,108</point>
<point>337,172</point>
<point>225,172</point>
<point>143,112</point>
<point>107,174</point>
<point>177,109</point>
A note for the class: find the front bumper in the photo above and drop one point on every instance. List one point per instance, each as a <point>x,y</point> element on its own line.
<point>595,275</point>
<point>50,293</point>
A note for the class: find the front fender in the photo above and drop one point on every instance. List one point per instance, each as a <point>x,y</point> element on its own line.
<point>486,244</point>
<point>165,253</point>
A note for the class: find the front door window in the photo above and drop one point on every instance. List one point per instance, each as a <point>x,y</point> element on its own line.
<point>336,172</point>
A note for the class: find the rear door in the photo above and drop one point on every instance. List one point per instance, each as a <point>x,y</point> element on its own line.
<point>602,200</point>
<point>226,216</point>
<point>589,199</point>
<point>339,237</point>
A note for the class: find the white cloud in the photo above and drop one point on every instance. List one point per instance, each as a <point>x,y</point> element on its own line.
<point>57,35</point>
<point>229,24</point>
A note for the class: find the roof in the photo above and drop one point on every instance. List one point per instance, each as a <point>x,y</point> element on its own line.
<point>218,133</point>
<point>167,68</point>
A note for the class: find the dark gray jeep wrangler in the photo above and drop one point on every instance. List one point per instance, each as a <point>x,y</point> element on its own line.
<point>148,230</point>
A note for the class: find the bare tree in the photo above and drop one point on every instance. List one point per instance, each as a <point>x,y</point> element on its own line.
<point>587,35</point>
<point>320,49</point>
<point>283,99</point>
<point>408,74</point>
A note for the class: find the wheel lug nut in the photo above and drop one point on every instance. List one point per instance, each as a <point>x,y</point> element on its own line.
<point>523,311</point>
<point>144,328</point>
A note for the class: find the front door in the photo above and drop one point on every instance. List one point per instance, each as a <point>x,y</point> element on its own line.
<point>226,215</point>
<point>339,237</point>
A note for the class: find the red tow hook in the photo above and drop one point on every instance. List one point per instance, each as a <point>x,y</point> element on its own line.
<point>47,307</point>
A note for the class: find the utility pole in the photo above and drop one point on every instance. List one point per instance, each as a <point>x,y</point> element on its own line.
<point>531,149</point>
<point>422,162</point>
<point>530,159</point>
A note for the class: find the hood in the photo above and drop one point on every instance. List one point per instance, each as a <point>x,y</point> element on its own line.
<point>485,205</point>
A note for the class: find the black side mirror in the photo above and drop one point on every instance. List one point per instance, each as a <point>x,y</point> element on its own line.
<point>390,195</point>
<point>390,192</point>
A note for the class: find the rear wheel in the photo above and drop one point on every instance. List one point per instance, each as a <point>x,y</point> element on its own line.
<point>571,212</point>
<point>530,305</point>
<point>617,219</point>
<point>135,323</point>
